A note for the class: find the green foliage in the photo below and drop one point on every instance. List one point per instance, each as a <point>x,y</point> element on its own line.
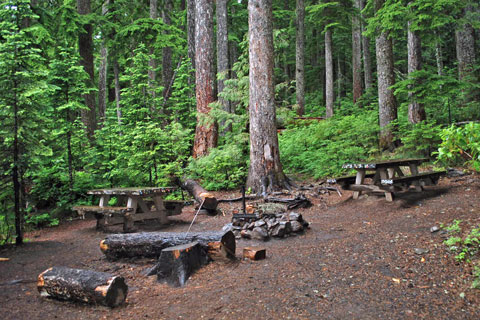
<point>223,168</point>
<point>421,139</point>
<point>320,149</point>
<point>468,246</point>
<point>476,276</point>
<point>460,145</point>
<point>41,220</point>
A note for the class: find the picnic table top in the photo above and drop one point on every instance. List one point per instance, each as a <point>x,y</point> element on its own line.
<point>384,163</point>
<point>136,191</point>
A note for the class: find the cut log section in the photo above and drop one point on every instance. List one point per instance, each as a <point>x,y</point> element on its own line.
<point>151,244</point>
<point>201,195</point>
<point>254,253</point>
<point>177,264</point>
<point>82,285</point>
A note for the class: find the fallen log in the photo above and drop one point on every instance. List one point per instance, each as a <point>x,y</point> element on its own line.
<point>299,201</point>
<point>201,195</point>
<point>176,264</point>
<point>150,244</point>
<point>254,253</point>
<point>82,285</point>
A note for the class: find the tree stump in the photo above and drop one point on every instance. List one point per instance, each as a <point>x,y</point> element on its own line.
<point>176,264</point>
<point>201,195</point>
<point>82,285</point>
<point>151,244</point>
<point>254,253</point>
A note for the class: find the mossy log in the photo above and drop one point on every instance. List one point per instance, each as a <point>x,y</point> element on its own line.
<point>150,244</point>
<point>82,285</point>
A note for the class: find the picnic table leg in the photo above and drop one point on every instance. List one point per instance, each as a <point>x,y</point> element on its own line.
<point>384,175</point>
<point>359,180</point>
<point>101,219</point>
<point>159,206</point>
<point>414,171</point>
<point>128,217</point>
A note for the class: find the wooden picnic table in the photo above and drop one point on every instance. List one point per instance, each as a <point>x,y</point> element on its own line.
<point>387,177</point>
<point>131,206</point>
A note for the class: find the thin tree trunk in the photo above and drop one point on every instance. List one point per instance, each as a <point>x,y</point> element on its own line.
<point>222,54</point>
<point>265,172</point>
<point>356,53</point>
<point>367,59</point>
<point>152,62</point>
<point>300,57</point>
<point>416,110</point>
<point>191,30</point>
<point>167,70</point>
<point>116,74</point>
<point>102,72</point>
<point>206,132</point>
<point>439,57</point>
<point>85,47</point>
<point>329,94</point>
<point>465,47</point>
<point>15,170</point>
<point>387,103</point>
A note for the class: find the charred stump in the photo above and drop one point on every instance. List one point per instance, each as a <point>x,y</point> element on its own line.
<point>82,285</point>
<point>151,244</point>
<point>176,264</point>
<point>201,195</point>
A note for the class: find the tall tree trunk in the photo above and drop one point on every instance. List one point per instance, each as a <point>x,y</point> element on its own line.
<point>356,52</point>
<point>191,31</point>
<point>152,62</point>
<point>15,170</point>
<point>329,92</point>
<point>102,72</point>
<point>416,110</point>
<point>300,57</point>
<point>85,47</point>
<point>265,172</point>
<point>167,70</point>
<point>439,57</point>
<point>116,74</point>
<point>206,132</point>
<point>367,59</point>
<point>222,53</point>
<point>465,47</point>
<point>387,103</point>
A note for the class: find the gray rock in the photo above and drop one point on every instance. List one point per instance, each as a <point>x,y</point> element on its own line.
<point>420,251</point>
<point>278,231</point>
<point>259,233</point>
<point>227,227</point>
<point>293,216</point>
<point>247,234</point>
<point>434,229</point>
<point>251,225</point>
<point>296,226</point>
<point>259,223</point>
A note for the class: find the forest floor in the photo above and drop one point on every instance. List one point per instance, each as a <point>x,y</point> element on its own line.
<point>357,261</point>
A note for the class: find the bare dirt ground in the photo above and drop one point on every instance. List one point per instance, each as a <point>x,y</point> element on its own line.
<point>357,261</point>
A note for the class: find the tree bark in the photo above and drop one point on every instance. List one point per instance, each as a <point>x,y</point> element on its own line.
<point>367,59</point>
<point>439,57</point>
<point>151,244</point>
<point>83,286</point>
<point>222,54</point>
<point>176,264</point>
<point>265,172</point>
<point>465,47</point>
<point>102,72</point>
<point>329,93</point>
<point>191,31</point>
<point>116,74</point>
<point>387,103</point>
<point>300,57</point>
<point>167,70</point>
<point>19,216</point>
<point>85,47</point>
<point>206,132</point>
<point>356,52</point>
<point>416,110</point>
<point>201,195</point>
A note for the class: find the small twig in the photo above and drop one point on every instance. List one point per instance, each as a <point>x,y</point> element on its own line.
<point>195,216</point>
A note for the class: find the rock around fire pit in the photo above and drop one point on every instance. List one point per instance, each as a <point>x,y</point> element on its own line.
<point>264,226</point>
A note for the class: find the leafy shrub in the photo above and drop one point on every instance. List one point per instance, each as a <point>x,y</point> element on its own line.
<point>223,168</point>
<point>41,220</point>
<point>418,139</point>
<point>320,149</point>
<point>460,145</point>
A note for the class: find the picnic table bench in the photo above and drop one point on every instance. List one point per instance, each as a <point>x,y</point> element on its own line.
<point>387,177</point>
<point>131,206</point>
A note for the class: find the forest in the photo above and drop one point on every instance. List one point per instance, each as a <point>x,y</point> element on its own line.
<point>141,93</point>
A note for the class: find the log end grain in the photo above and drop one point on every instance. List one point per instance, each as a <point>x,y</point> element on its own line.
<point>254,253</point>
